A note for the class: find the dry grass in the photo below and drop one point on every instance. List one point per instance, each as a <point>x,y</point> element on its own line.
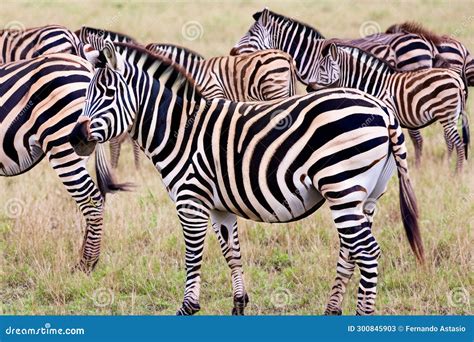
<point>142,267</point>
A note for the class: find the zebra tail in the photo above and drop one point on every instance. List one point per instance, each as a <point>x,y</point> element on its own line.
<point>466,135</point>
<point>106,179</point>
<point>441,62</point>
<point>408,205</point>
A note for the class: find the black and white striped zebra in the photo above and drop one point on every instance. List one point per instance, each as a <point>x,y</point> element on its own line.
<point>419,97</point>
<point>17,44</point>
<point>270,161</point>
<point>452,50</point>
<point>258,76</point>
<point>41,100</point>
<point>87,35</point>
<point>304,43</point>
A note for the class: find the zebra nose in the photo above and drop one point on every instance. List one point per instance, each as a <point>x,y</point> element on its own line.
<point>80,138</point>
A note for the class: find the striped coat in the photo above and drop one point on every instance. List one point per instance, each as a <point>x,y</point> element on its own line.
<point>259,76</point>
<point>450,49</point>
<point>16,45</point>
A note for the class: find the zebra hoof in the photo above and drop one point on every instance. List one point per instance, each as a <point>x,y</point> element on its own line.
<point>188,309</point>
<point>332,312</point>
<point>239,305</point>
<point>83,267</point>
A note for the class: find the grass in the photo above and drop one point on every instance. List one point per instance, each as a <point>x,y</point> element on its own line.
<point>289,268</point>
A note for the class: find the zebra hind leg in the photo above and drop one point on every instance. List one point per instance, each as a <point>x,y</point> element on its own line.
<point>345,270</point>
<point>417,140</point>
<point>225,227</point>
<point>449,145</point>
<point>115,145</point>
<point>452,135</point>
<point>136,154</point>
<point>357,247</point>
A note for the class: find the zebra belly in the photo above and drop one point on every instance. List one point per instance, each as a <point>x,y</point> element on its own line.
<point>297,205</point>
<point>21,160</point>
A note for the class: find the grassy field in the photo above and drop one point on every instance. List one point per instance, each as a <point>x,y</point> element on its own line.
<point>289,268</point>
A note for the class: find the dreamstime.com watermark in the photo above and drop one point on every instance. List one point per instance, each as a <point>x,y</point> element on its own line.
<point>46,330</point>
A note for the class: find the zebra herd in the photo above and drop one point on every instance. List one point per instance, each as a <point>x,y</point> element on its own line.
<point>230,136</point>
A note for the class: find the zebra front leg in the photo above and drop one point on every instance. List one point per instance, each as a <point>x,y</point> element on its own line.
<point>225,226</point>
<point>72,172</point>
<point>417,140</point>
<point>194,217</point>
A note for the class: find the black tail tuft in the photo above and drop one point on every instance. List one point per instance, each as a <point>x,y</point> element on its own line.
<point>105,177</point>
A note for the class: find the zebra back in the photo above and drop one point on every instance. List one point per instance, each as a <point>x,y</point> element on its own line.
<point>258,76</point>
<point>449,48</point>
<point>304,44</point>
<point>17,44</point>
<point>187,58</point>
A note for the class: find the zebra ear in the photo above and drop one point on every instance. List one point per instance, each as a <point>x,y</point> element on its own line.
<point>110,55</point>
<point>333,51</point>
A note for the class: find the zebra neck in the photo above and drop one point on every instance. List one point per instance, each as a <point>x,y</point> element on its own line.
<point>301,42</point>
<point>364,72</point>
<point>165,124</point>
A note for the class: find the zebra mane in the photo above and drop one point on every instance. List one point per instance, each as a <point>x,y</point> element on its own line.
<point>84,32</point>
<point>159,47</point>
<point>281,17</point>
<point>372,60</point>
<point>163,60</point>
<point>416,28</point>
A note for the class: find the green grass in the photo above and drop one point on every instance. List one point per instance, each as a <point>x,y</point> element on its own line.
<point>289,268</point>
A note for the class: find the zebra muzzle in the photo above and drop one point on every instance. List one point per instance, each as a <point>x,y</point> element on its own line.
<point>80,138</point>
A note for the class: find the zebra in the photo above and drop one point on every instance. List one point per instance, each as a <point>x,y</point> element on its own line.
<point>17,44</point>
<point>220,159</point>
<point>420,97</point>
<point>187,58</point>
<point>258,76</point>
<point>406,52</point>
<point>452,50</point>
<point>85,34</point>
<point>41,99</point>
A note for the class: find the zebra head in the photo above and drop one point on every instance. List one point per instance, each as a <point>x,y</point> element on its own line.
<point>258,36</point>
<point>111,104</point>
<point>327,70</point>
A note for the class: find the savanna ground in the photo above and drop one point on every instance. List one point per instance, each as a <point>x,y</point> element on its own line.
<point>289,268</point>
